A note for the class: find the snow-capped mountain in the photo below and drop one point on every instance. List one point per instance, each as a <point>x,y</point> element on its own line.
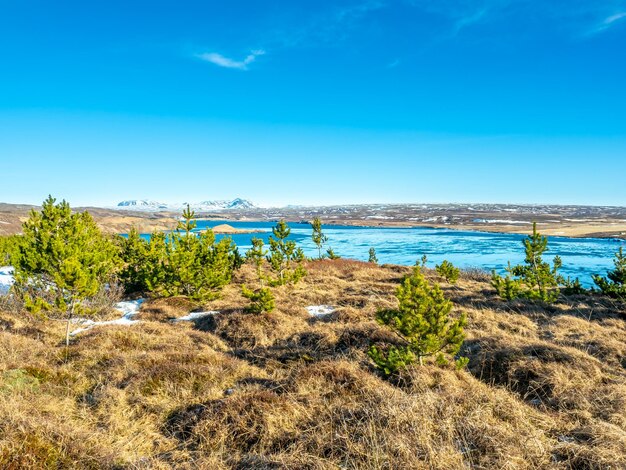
<point>146,205</point>
<point>142,204</point>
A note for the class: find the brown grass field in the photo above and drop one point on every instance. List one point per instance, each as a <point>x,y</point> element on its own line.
<point>545,387</point>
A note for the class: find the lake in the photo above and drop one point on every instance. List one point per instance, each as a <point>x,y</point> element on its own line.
<point>582,257</point>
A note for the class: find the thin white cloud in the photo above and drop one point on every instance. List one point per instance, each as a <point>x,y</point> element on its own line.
<point>613,18</point>
<point>226,62</point>
<point>607,23</point>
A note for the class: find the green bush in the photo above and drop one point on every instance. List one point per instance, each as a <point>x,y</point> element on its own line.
<point>372,256</point>
<point>8,246</point>
<point>261,300</point>
<point>179,263</point>
<point>331,254</point>
<point>535,279</point>
<point>573,287</point>
<point>448,271</point>
<point>423,323</point>
<point>614,284</point>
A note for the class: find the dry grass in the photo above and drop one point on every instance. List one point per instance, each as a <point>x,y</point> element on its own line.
<point>545,387</point>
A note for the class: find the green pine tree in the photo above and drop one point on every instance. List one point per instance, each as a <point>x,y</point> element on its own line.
<point>331,254</point>
<point>423,323</point>
<point>261,300</point>
<point>448,271</point>
<point>285,258</point>
<point>185,263</point>
<point>256,256</point>
<point>62,262</point>
<point>134,253</point>
<point>372,257</point>
<point>8,245</point>
<point>614,284</point>
<point>318,236</point>
<point>535,279</point>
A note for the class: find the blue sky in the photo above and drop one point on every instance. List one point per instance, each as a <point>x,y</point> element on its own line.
<point>313,102</point>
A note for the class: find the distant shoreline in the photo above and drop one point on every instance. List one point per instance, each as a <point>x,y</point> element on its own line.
<point>552,231</point>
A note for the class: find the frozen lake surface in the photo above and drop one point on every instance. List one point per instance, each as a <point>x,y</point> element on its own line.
<point>582,257</point>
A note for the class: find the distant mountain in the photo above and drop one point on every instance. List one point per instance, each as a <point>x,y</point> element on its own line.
<point>142,204</point>
<point>147,205</point>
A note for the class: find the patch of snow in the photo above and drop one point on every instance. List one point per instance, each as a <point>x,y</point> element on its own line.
<point>6,279</point>
<point>500,221</point>
<point>195,315</point>
<point>320,310</point>
<point>128,309</point>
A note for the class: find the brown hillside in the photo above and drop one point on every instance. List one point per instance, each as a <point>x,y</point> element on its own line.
<point>545,388</point>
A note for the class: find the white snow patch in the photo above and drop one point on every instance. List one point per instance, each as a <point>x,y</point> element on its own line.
<point>128,308</point>
<point>195,315</point>
<point>6,279</point>
<point>501,221</point>
<point>320,310</point>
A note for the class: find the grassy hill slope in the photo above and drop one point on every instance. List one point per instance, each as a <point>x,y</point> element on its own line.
<point>545,387</point>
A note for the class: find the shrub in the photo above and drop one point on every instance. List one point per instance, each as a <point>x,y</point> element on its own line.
<point>448,271</point>
<point>573,287</point>
<point>318,236</point>
<point>134,253</point>
<point>180,263</point>
<point>261,300</point>
<point>614,284</point>
<point>534,279</point>
<point>8,246</point>
<point>62,262</point>
<point>372,256</point>
<point>331,254</point>
<point>285,257</point>
<point>197,265</point>
<point>423,323</point>
<point>256,255</point>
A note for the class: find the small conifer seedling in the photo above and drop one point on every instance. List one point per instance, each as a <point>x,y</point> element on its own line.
<point>448,271</point>
<point>535,279</point>
<point>424,325</point>
<point>614,284</point>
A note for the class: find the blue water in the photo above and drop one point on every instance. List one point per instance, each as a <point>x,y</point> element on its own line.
<point>582,257</point>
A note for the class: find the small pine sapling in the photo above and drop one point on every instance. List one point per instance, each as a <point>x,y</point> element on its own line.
<point>614,285</point>
<point>535,279</point>
<point>261,300</point>
<point>372,256</point>
<point>448,271</point>
<point>424,325</point>
<point>573,287</point>
<point>285,258</point>
<point>318,236</point>
<point>331,254</point>
<point>256,256</point>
